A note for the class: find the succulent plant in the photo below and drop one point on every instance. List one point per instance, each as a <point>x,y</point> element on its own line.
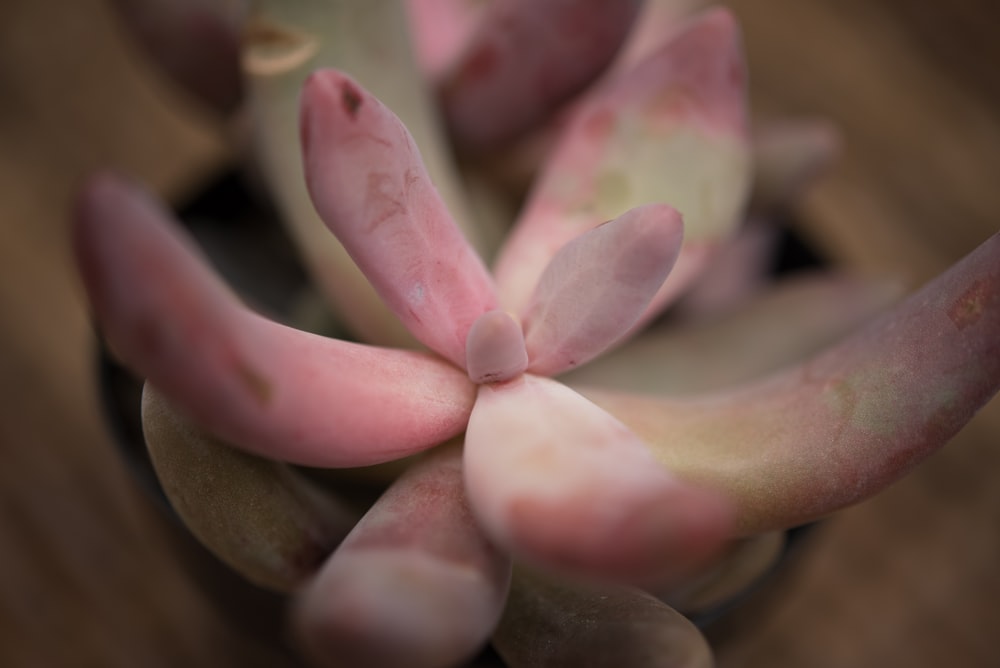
<point>571,464</point>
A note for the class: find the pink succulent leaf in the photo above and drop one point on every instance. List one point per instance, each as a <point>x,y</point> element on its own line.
<point>370,187</point>
<point>597,286</point>
<point>567,487</point>
<point>283,43</point>
<point>788,156</point>
<point>263,518</point>
<point>847,423</point>
<point>272,390</point>
<point>558,625</point>
<point>196,42</point>
<point>414,584</point>
<point>495,348</point>
<point>525,58</point>
<point>671,130</point>
<point>785,324</point>
<point>441,29</point>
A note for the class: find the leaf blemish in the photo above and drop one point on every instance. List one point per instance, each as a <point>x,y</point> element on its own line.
<point>351,99</point>
<point>259,386</point>
<point>971,304</point>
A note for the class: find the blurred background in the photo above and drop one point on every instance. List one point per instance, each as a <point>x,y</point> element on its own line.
<point>87,578</point>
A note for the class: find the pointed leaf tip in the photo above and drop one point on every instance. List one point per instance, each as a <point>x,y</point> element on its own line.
<point>597,287</point>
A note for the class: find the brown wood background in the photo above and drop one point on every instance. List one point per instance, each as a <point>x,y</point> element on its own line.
<point>86,579</point>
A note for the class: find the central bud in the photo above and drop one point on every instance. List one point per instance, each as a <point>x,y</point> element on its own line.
<point>494,348</point>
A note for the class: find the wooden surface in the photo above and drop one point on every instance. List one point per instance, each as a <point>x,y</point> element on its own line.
<point>86,579</point>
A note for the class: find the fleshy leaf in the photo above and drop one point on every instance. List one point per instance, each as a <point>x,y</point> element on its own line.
<point>495,348</point>
<point>597,286</point>
<point>369,185</point>
<point>261,386</point>
<point>285,41</point>
<point>847,423</point>
<point>565,486</point>
<point>525,58</point>
<point>565,625</point>
<point>793,320</point>
<point>671,130</point>
<point>260,517</point>
<point>414,584</point>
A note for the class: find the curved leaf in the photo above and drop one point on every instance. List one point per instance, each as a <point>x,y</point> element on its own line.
<point>844,425</point>
<point>261,386</point>
<point>285,41</point>
<point>263,519</point>
<point>370,187</point>
<point>597,286</point>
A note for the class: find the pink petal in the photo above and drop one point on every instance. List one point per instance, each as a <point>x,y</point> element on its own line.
<point>672,130</point>
<point>262,518</point>
<point>495,349</point>
<point>597,286</point>
<point>269,389</point>
<point>415,583</point>
<point>560,625</point>
<point>846,424</point>
<point>793,320</point>
<point>369,185</point>
<point>525,59</point>
<point>565,486</point>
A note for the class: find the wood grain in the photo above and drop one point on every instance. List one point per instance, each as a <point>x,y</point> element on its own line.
<point>88,579</point>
